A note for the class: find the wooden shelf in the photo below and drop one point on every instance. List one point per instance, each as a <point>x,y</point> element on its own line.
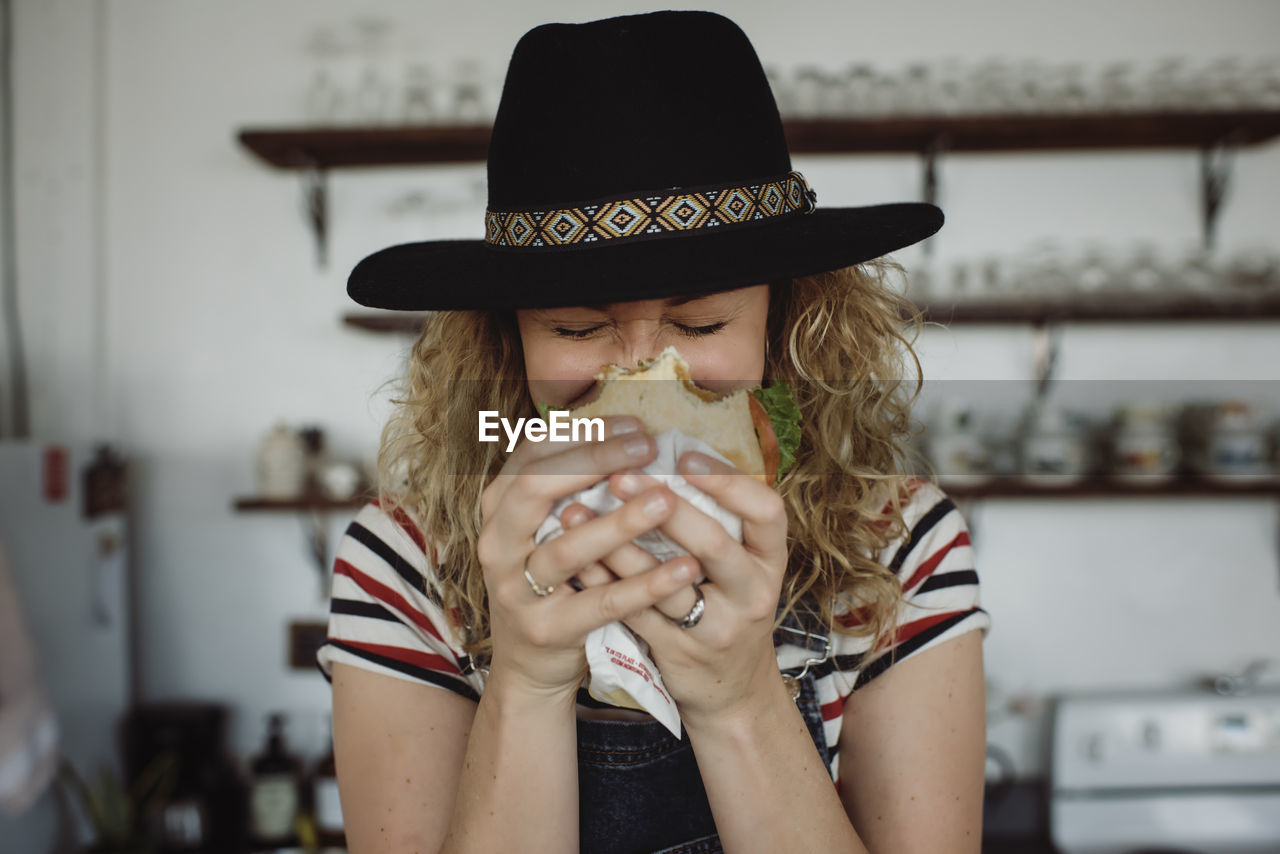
<point>1120,308</point>
<point>1100,487</point>
<point>1031,132</point>
<point>254,504</point>
<point>302,148</point>
<point>401,321</point>
<point>341,147</point>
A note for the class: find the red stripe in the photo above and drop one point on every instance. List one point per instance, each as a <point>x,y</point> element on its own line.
<point>853,618</point>
<point>909,630</point>
<point>906,490</point>
<point>926,569</point>
<point>385,594</point>
<point>833,710</point>
<point>858,615</point>
<point>402,519</point>
<point>425,660</point>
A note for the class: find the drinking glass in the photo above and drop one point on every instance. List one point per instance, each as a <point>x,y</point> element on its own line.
<point>419,96</point>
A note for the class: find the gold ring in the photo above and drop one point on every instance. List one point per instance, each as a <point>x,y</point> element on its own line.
<point>538,589</point>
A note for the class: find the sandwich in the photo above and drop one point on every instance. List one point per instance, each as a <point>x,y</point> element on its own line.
<point>757,430</point>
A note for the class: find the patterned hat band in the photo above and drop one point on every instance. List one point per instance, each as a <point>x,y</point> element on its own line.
<point>649,216</point>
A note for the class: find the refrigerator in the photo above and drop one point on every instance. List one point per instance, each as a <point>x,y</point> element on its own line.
<point>64,532</point>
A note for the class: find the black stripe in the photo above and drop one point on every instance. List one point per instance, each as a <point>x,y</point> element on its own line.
<point>403,568</point>
<point>362,609</point>
<point>444,681</point>
<point>918,531</point>
<point>844,663</point>
<point>902,650</point>
<point>954,578</point>
<point>850,662</point>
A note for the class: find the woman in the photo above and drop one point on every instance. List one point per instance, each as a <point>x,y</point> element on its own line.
<point>641,195</point>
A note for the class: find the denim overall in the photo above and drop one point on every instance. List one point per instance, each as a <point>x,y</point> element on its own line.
<point>639,789</point>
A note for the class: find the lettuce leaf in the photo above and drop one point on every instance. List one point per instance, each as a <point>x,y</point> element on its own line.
<point>545,410</point>
<point>785,417</point>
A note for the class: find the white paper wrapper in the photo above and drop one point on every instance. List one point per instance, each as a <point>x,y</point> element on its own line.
<point>621,670</point>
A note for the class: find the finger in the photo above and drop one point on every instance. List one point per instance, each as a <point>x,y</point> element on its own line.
<point>529,496</point>
<point>575,514</point>
<point>614,425</point>
<point>721,556</point>
<point>660,629</point>
<point>629,560</point>
<point>595,573</point>
<point>626,560</point>
<point>528,452</point>
<point>599,606</point>
<point>763,513</point>
<point>592,575</point>
<point>627,483</point>
<point>561,557</point>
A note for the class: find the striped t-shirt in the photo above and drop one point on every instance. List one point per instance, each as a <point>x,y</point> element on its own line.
<point>386,613</point>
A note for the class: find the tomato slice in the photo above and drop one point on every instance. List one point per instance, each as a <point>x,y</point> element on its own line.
<point>768,439</point>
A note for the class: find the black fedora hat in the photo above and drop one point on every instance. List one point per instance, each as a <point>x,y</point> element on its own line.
<point>635,158</point>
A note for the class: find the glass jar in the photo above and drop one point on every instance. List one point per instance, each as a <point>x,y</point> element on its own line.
<point>1055,447</point>
<point>1237,447</point>
<point>1144,447</point>
<point>958,451</point>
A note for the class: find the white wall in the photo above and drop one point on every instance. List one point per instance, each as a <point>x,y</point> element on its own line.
<point>173,307</point>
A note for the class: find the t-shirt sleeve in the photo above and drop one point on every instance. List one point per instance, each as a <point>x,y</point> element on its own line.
<point>934,563</point>
<point>385,612</point>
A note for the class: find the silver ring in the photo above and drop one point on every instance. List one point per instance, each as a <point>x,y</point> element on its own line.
<point>538,589</point>
<point>694,616</point>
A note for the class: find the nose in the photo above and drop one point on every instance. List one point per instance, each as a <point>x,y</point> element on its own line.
<point>644,353</point>
<point>637,341</point>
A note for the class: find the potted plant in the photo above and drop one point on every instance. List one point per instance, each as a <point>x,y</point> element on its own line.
<point>120,814</point>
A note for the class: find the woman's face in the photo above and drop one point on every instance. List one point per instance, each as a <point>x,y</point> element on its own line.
<point>721,336</point>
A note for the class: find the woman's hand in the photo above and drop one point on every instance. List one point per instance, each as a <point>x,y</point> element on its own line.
<point>538,640</point>
<point>728,657</point>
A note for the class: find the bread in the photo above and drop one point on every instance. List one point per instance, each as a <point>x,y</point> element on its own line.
<point>663,396</point>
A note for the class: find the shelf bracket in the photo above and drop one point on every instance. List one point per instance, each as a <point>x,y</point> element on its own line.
<point>929,178</point>
<point>316,530</point>
<point>1046,344</point>
<point>1216,161</point>
<point>315,206</point>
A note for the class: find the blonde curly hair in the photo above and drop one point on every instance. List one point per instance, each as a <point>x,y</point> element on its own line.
<point>842,340</point>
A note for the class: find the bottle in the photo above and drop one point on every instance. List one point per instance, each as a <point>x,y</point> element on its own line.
<point>326,804</point>
<point>273,791</point>
<point>314,460</point>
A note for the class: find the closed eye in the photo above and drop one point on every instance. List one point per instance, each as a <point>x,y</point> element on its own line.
<point>698,331</point>
<point>565,332</point>
<point>684,329</point>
